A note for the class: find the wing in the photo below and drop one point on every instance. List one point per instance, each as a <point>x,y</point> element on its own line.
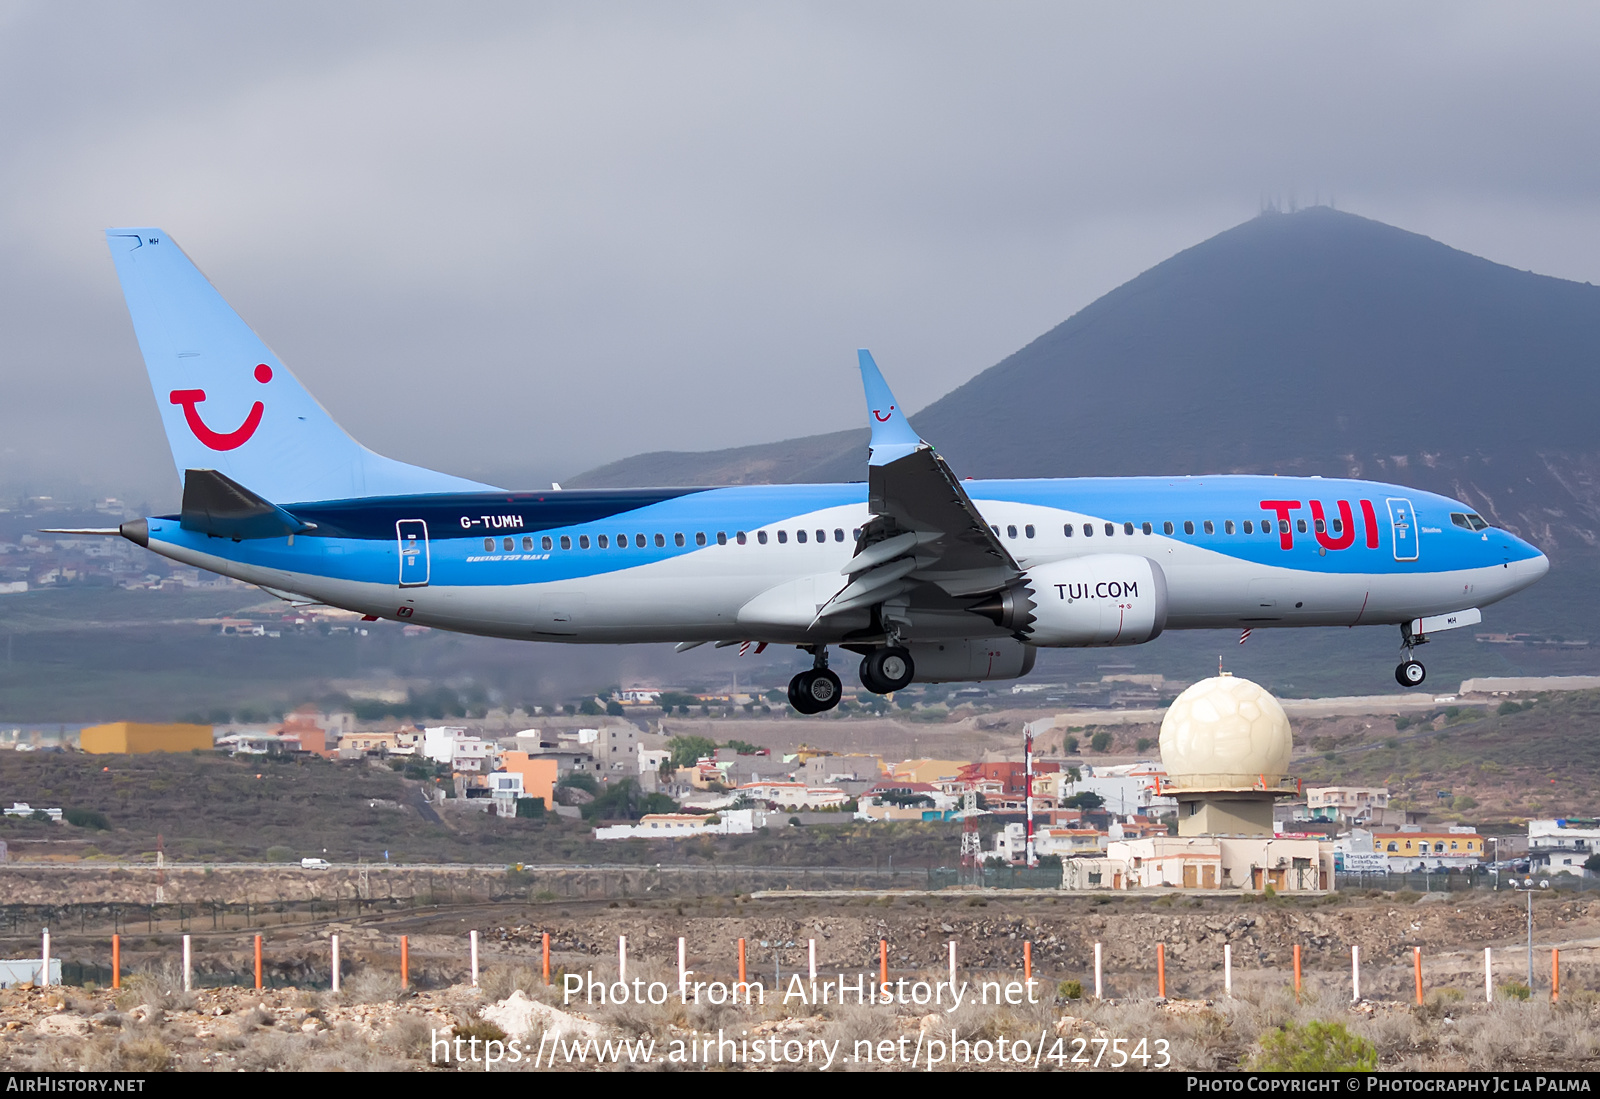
<point>926,545</point>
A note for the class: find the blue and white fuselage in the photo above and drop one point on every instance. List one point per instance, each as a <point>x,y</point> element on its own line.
<point>930,577</point>
<point>687,564</point>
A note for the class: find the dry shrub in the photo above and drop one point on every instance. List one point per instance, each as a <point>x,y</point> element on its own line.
<point>161,987</point>
<point>852,1023</point>
<point>500,981</point>
<point>411,1036</point>
<point>371,986</point>
<point>143,1053</point>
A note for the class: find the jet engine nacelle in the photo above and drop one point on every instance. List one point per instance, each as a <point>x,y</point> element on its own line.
<point>1100,599</point>
<point>969,661</point>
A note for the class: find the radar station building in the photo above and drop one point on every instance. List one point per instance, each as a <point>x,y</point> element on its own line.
<point>1225,745</point>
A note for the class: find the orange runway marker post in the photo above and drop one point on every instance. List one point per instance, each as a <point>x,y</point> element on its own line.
<point>883,963</point>
<point>1555,975</point>
<point>547,957</point>
<point>741,961</point>
<point>1161,970</point>
<point>1027,961</point>
<point>116,961</point>
<point>1297,971</point>
<point>258,962</point>
<point>405,961</point>
<point>1416,965</point>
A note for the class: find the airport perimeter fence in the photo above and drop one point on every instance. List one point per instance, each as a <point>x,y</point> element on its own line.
<point>1456,881</point>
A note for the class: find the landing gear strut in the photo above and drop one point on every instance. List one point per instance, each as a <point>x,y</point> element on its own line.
<point>1410,673</point>
<point>886,670</point>
<point>817,690</point>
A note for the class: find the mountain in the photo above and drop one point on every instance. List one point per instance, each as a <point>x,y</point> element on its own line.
<point>1307,342</point>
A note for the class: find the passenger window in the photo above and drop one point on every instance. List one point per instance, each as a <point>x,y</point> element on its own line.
<point>583,541</point>
<point>838,534</point>
<point>661,540</point>
<point>1011,531</point>
<point>622,541</point>
<point>1127,528</point>
<point>488,545</point>
<point>1283,526</point>
<point>783,536</point>
<point>1067,530</point>
<point>677,539</point>
<point>1211,528</point>
<point>566,542</point>
<point>1249,526</point>
<point>603,542</point>
<point>1111,528</point>
<point>1148,529</point>
<point>1227,526</point>
<point>995,529</point>
<point>822,536</point>
<point>739,538</point>
<point>1028,530</point>
<point>527,543</point>
<point>761,536</point>
<point>545,542</point>
<point>799,536</point>
<point>855,534</point>
<point>722,538</point>
<point>1300,525</point>
<point>700,537</point>
<point>1088,530</point>
<point>1188,526</point>
<point>1166,528</point>
<point>1321,526</point>
<point>1338,526</point>
<point>638,540</point>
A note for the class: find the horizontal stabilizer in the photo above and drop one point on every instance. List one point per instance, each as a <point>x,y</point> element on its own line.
<point>219,506</point>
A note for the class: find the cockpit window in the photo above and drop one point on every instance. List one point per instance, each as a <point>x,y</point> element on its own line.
<point>1468,520</point>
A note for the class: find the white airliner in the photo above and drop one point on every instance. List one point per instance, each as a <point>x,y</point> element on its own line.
<point>926,577</point>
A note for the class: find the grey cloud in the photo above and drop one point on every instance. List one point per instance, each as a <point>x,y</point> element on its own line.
<point>521,241</point>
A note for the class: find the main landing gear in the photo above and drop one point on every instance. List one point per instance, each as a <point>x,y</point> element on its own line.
<point>1410,673</point>
<point>886,670</point>
<point>817,690</point>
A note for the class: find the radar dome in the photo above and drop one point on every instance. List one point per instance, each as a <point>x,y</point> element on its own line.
<point>1224,732</point>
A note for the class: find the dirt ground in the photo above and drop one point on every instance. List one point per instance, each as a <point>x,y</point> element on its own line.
<point>373,1023</point>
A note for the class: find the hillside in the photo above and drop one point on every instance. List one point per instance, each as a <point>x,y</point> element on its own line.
<point>1311,342</point>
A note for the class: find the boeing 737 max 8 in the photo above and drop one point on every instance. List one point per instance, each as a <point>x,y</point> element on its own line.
<point>928,578</point>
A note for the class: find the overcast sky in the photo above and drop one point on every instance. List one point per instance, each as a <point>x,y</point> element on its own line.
<point>518,242</point>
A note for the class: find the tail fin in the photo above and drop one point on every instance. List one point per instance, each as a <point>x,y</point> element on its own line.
<point>227,402</point>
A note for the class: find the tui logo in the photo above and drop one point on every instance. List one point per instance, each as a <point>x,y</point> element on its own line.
<point>218,440</point>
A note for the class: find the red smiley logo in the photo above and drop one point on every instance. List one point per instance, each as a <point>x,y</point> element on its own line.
<point>883,417</point>
<point>217,440</point>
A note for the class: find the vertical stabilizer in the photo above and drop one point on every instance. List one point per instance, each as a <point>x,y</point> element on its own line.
<point>226,400</point>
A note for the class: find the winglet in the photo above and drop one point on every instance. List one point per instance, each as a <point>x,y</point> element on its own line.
<point>892,434</point>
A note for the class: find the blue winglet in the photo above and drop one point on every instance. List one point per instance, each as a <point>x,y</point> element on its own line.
<point>892,434</point>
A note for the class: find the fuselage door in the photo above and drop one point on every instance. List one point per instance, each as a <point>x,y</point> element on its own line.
<point>414,563</point>
<point>1403,526</point>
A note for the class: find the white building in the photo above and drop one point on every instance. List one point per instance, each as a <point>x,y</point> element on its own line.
<point>1011,842</point>
<point>1563,845</point>
<point>728,822</point>
<point>1354,804</point>
<point>1245,863</point>
<point>794,795</point>
<point>1126,790</point>
<point>651,759</point>
<point>450,744</point>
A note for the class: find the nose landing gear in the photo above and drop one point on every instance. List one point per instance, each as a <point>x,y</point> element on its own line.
<point>817,690</point>
<point>1410,672</point>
